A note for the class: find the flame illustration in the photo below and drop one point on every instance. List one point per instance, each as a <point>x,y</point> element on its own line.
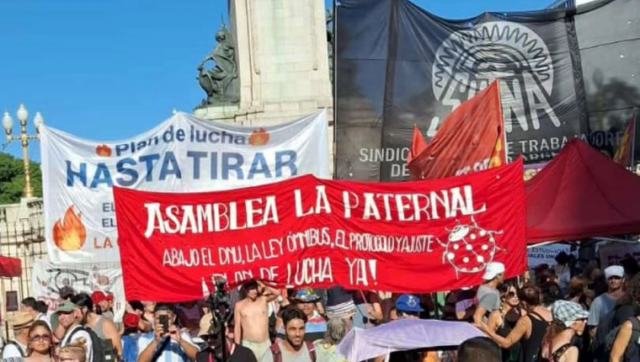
<point>70,234</point>
<point>103,150</point>
<point>259,137</point>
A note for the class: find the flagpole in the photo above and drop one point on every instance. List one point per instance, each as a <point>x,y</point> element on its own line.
<point>633,141</point>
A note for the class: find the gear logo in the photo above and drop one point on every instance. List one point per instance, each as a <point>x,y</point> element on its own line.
<point>470,248</point>
<point>469,60</point>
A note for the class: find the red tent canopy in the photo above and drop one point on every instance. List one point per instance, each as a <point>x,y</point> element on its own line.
<point>581,194</point>
<point>10,267</point>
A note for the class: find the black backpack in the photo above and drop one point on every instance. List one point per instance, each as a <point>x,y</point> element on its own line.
<point>98,345</point>
<point>605,326</point>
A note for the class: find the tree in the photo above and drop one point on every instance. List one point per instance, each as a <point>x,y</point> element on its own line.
<point>12,179</point>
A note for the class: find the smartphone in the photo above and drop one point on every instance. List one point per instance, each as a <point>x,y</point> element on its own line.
<point>164,322</point>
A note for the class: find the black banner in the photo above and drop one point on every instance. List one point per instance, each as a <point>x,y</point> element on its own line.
<point>399,66</point>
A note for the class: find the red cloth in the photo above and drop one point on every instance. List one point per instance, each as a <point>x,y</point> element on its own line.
<point>470,140</point>
<point>417,145</point>
<point>581,194</point>
<point>10,267</point>
<point>307,232</point>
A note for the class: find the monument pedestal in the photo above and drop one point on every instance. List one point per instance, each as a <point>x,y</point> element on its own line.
<point>225,113</point>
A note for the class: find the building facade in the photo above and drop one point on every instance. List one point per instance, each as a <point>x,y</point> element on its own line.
<point>22,237</point>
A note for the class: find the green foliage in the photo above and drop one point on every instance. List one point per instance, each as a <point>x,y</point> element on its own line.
<point>12,179</point>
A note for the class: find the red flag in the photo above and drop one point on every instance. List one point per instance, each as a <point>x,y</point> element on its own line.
<point>624,154</point>
<point>417,145</point>
<point>471,139</point>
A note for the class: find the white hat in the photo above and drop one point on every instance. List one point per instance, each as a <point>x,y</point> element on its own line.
<point>493,270</point>
<point>614,271</point>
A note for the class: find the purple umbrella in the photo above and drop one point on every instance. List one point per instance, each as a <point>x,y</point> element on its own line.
<point>403,335</point>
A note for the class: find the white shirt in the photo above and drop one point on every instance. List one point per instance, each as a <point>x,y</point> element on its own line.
<point>171,353</point>
<point>80,334</point>
<point>10,350</point>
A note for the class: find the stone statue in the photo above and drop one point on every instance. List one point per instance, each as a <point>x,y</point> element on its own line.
<point>221,82</point>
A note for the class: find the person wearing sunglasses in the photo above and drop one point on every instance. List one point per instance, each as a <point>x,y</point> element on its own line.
<point>605,303</point>
<point>503,320</point>
<point>40,343</point>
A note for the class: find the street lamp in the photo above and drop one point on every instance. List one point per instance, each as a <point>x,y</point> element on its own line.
<point>25,137</point>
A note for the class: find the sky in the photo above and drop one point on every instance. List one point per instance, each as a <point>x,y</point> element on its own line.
<point>109,70</point>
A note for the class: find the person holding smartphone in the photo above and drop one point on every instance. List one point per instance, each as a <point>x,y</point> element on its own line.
<point>167,343</point>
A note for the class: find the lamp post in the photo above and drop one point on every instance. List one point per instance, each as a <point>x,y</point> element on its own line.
<point>24,138</point>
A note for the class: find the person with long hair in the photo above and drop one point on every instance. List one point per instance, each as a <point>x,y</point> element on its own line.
<point>326,348</point>
<point>41,347</point>
<point>530,328</point>
<point>503,320</point>
<point>569,321</point>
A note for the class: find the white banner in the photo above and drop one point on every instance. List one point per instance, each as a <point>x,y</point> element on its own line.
<point>546,254</point>
<point>613,254</point>
<point>48,279</point>
<point>183,154</point>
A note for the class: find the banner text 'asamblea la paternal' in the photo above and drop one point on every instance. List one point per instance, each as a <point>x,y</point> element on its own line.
<point>183,154</point>
<point>311,232</point>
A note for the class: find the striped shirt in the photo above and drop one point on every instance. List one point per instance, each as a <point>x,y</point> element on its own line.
<point>171,353</point>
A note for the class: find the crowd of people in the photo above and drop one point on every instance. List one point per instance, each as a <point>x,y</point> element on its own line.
<point>553,316</point>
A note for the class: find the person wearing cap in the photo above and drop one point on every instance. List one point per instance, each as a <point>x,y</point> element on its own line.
<point>210,333</point>
<point>130,336</point>
<point>605,303</point>
<point>408,307</point>
<point>488,296</point>
<point>18,346</point>
<point>71,318</point>
<point>315,326</point>
<point>100,303</point>
<point>569,321</point>
<point>251,317</point>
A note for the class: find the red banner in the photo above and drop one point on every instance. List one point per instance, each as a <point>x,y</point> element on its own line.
<point>470,140</point>
<point>415,237</point>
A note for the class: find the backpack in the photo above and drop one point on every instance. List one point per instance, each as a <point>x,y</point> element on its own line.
<point>605,326</point>
<point>23,353</point>
<point>633,341</point>
<point>277,353</point>
<point>99,346</point>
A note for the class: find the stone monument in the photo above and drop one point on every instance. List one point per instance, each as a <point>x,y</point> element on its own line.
<point>271,67</point>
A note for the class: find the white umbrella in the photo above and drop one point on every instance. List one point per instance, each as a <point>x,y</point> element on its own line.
<point>403,335</point>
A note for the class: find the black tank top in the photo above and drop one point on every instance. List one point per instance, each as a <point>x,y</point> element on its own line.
<point>531,346</point>
<point>509,322</point>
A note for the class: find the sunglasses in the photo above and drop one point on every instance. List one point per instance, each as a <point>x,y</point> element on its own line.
<point>41,338</point>
<point>510,295</point>
<point>615,278</point>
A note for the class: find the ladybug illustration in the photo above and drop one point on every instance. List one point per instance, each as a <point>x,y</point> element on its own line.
<point>469,248</point>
